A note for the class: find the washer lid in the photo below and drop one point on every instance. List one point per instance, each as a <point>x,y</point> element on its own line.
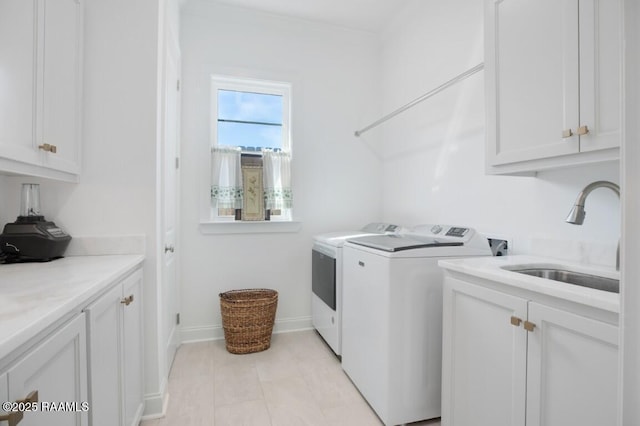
<point>393,243</point>
<point>337,239</point>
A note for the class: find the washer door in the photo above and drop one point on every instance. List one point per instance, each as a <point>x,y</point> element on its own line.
<point>323,277</point>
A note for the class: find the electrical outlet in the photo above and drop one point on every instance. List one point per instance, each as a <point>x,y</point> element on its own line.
<point>500,245</point>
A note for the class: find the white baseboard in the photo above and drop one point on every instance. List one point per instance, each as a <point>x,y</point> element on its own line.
<point>215,332</point>
<point>155,405</point>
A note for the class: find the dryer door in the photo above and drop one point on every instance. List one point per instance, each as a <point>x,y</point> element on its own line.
<point>323,277</point>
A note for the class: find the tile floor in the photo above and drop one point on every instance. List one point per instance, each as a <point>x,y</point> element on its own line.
<point>297,382</point>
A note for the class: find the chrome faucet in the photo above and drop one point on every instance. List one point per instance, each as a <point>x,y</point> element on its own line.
<point>577,213</point>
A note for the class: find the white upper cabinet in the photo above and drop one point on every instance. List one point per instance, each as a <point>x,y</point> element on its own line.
<point>553,85</point>
<point>41,87</point>
<point>62,85</point>
<point>17,81</point>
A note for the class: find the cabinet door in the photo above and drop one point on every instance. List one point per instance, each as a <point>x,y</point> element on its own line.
<point>484,357</point>
<point>57,369</point>
<point>600,73</point>
<point>18,25</point>
<point>133,339</point>
<point>104,319</point>
<point>532,86</point>
<point>4,392</point>
<point>572,369</point>
<point>61,83</point>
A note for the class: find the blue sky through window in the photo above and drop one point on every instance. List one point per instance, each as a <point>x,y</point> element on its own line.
<point>249,119</point>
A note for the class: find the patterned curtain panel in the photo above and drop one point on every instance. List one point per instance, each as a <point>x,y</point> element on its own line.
<point>277,179</point>
<point>226,178</point>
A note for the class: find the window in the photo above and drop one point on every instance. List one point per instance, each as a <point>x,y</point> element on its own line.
<point>250,114</point>
<point>254,117</point>
<point>250,145</point>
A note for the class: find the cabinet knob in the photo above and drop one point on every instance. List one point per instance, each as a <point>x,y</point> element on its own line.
<point>529,326</point>
<point>516,321</point>
<point>583,130</point>
<point>567,133</point>
<point>48,148</point>
<point>14,417</point>
<point>127,300</point>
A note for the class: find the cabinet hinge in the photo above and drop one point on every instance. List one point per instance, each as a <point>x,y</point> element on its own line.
<point>178,85</point>
<point>178,319</point>
<point>177,163</point>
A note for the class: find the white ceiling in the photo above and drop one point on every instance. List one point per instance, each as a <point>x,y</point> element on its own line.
<point>367,15</point>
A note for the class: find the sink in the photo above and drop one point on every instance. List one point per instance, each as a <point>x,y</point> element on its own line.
<point>570,277</point>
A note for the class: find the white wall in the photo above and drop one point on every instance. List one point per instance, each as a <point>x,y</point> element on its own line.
<point>434,154</point>
<point>336,177</point>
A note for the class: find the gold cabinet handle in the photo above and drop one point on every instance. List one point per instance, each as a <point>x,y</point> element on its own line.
<point>127,300</point>
<point>582,130</point>
<point>529,326</point>
<point>32,397</point>
<point>12,418</point>
<point>15,417</point>
<point>516,321</point>
<point>567,133</point>
<point>48,148</point>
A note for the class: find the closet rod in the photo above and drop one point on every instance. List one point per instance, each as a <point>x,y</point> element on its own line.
<point>426,96</point>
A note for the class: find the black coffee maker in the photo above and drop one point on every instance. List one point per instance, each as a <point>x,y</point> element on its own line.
<point>31,238</point>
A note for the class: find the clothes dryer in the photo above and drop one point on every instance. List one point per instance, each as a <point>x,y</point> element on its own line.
<point>326,280</point>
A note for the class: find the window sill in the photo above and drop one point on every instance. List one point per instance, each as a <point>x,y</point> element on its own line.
<point>257,227</point>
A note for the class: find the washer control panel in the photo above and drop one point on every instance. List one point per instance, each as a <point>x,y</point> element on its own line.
<point>457,232</point>
<point>381,228</point>
<point>442,231</point>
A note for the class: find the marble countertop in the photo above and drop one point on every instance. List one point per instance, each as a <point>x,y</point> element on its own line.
<point>491,268</point>
<point>35,296</point>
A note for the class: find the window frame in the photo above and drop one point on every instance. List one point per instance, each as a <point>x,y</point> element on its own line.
<point>211,223</point>
<point>267,87</point>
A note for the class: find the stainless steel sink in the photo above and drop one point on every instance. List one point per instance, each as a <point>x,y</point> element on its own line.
<point>577,278</point>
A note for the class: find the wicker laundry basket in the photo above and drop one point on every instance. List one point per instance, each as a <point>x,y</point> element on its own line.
<point>247,319</point>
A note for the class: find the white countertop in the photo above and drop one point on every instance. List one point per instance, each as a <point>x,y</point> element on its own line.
<point>33,296</point>
<point>491,268</point>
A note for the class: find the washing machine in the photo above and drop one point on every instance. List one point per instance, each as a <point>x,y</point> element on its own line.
<point>392,316</point>
<point>326,282</point>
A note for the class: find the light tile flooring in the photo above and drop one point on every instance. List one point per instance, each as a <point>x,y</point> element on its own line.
<point>297,382</point>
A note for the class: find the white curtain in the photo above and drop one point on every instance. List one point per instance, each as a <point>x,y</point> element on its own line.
<point>226,178</point>
<point>277,179</point>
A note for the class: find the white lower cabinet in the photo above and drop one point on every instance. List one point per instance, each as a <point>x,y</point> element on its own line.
<point>511,361</point>
<point>4,394</point>
<point>115,354</point>
<point>54,374</point>
<point>572,369</point>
